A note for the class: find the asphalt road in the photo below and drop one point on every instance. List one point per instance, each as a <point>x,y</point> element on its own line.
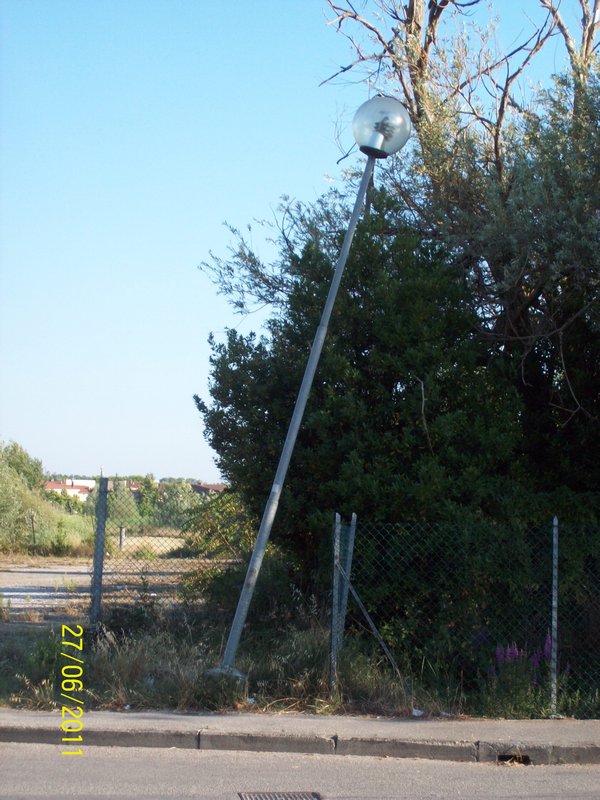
<point>39,771</point>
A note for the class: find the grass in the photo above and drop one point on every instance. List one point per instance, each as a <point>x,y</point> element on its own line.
<point>145,658</point>
<point>155,670</point>
<point>67,535</point>
<point>57,534</point>
<point>156,662</point>
<point>5,609</point>
<point>43,528</point>
<point>65,585</point>
<point>24,651</point>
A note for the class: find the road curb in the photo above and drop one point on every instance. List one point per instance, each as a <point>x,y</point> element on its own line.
<point>530,753</point>
<point>212,740</point>
<point>406,748</point>
<point>266,742</point>
<point>102,738</point>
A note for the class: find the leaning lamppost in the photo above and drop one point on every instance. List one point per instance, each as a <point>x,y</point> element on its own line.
<point>381,126</point>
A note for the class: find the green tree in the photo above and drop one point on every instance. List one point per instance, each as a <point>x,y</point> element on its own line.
<point>462,370</point>
<point>148,498</point>
<point>409,417</point>
<point>12,505</point>
<point>174,502</point>
<point>220,527</point>
<point>26,517</point>
<point>507,181</point>
<point>18,459</point>
<point>553,214</point>
<point>122,508</point>
<point>506,189</point>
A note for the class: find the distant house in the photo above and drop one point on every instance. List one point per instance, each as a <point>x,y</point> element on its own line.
<point>74,488</point>
<point>208,488</point>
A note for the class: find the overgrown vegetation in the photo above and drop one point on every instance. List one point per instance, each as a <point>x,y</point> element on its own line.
<point>459,385</point>
<point>27,666</point>
<point>163,667</point>
<point>30,521</point>
<point>145,658</point>
<point>43,522</point>
<point>166,504</point>
<point>142,659</point>
<point>220,527</point>
<point>461,374</point>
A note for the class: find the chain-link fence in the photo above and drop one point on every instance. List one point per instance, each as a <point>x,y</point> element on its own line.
<point>156,543</point>
<point>470,607</point>
<point>463,610</point>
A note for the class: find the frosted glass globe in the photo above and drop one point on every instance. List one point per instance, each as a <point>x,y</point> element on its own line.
<point>381,126</point>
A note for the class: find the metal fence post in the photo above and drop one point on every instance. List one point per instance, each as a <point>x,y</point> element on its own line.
<point>346,578</point>
<point>101,515</point>
<point>554,656</point>
<point>335,602</point>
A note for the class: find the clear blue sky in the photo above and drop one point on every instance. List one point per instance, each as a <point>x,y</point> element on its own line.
<point>130,131</point>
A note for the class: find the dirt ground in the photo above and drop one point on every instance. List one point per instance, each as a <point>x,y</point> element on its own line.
<point>43,589</point>
<point>160,545</point>
<point>40,589</point>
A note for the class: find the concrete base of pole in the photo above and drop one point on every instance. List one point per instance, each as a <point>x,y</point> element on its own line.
<point>225,672</point>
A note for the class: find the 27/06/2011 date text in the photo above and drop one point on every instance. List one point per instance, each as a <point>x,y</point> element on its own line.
<point>71,674</point>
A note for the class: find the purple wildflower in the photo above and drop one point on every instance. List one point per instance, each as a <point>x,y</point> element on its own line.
<point>512,652</point>
<point>536,659</point>
<point>500,655</point>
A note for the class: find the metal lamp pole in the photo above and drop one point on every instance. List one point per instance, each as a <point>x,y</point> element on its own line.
<point>381,127</point>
